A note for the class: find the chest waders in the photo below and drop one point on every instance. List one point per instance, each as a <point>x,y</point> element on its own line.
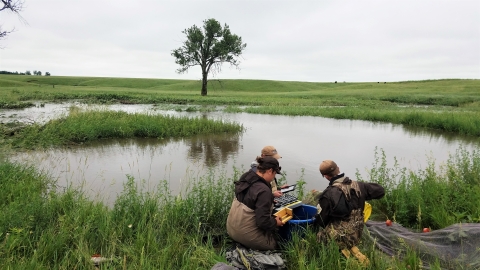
<point>346,232</point>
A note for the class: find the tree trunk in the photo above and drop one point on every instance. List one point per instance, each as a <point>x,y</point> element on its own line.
<point>204,83</point>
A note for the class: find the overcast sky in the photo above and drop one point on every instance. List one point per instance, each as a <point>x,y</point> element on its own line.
<point>318,41</point>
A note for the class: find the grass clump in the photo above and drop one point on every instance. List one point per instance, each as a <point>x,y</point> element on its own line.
<point>84,126</point>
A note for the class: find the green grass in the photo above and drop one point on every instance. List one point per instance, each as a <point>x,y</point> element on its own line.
<point>44,228</point>
<point>434,198</point>
<point>448,105</point>
<point>84,126</point>
<point>448,119</point>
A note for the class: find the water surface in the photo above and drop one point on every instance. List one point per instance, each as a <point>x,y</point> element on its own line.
<point>102,167</point>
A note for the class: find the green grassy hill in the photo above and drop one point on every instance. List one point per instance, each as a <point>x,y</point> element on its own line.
<point>451,105</point>
<point>257,86</point>
<point>434,92</point>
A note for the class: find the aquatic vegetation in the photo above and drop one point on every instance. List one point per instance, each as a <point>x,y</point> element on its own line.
<point>84,126</point>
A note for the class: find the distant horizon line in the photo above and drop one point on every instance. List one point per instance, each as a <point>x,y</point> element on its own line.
<point>3,72</point>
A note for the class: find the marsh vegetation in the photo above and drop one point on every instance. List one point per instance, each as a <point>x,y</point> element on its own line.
<point>448,105</point>
<point>44,228</point>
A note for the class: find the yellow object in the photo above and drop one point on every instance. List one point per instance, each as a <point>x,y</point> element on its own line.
<point>346,253</point>
<point>359,255</point>
<point>367,211</point>
<point>285,214</point>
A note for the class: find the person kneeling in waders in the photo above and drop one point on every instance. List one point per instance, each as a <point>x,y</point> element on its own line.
<point>341,207</point>
<point>250,221</point>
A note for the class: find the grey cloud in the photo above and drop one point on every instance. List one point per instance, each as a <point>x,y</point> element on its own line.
<point>301,40</point>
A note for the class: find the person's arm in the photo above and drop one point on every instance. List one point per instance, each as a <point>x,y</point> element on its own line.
<point>275,191</point>
<point>323,218</point>
<point>263,217</point>
<point>278,192</point>
<point>274,185</point>
<point>374,191</point>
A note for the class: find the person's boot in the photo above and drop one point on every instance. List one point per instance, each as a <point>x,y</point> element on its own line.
<point>346,253</point>
<point>360,257</point>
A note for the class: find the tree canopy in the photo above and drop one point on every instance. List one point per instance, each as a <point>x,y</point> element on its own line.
<point>208,48</point>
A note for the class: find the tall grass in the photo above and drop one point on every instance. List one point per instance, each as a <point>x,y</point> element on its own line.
<point>42,227</point>
<point>84,126</point>
<point>307,254</point>
<point>45,229</point>
<point>436,197</point>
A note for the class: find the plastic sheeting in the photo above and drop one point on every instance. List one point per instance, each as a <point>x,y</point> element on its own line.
<point>455,247</point>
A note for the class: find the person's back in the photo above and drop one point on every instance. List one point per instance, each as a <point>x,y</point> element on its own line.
<point>341,207</point>
<point>344,202</point>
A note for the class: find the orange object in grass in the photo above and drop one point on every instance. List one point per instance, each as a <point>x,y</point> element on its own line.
<point>426,229</point>
<point>388,222</point>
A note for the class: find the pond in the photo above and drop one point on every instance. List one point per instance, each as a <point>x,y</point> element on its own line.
<point>101,168</point>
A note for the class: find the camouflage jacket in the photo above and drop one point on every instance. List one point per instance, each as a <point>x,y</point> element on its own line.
<point>332,201</point>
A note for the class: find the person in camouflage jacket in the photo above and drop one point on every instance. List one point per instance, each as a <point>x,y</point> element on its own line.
<point>341,207</point>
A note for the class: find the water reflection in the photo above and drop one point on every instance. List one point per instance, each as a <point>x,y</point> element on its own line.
<point>213,149</point>
<point>438,135</point>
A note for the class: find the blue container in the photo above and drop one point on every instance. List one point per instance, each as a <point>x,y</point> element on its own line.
<point>302,217</point>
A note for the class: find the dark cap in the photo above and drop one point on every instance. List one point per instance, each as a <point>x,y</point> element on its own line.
<point>269,162</point>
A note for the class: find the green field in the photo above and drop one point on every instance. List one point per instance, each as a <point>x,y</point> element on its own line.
<point>42,228</point>
<point>448,105</point>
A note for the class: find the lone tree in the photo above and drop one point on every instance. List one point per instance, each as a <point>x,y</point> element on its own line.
<point>208,48</point>
<point>14,6</point>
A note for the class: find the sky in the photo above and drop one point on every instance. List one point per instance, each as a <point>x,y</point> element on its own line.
<point>314,41</point>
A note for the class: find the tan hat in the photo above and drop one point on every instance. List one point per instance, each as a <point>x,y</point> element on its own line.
<point>327,167</point>
<point>270,151</point>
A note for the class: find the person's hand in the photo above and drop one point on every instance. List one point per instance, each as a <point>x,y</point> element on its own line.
<point>279,221</point>
<point>277,193</point>
<point>284,186</point>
